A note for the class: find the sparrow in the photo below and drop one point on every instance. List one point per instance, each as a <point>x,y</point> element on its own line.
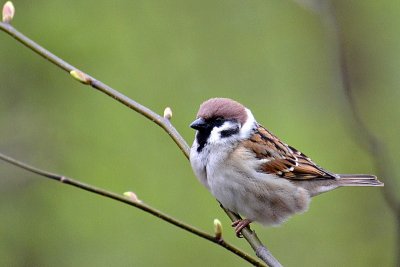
<point>253,173</point>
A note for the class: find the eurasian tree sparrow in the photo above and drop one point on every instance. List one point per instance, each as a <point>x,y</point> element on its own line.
<point>251,172</point>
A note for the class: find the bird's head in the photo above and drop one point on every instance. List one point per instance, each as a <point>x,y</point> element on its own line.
<point>222,120</point>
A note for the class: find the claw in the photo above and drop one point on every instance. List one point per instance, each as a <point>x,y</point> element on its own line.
<point>239,225</point>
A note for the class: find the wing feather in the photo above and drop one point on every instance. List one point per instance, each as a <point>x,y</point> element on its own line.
<point>283,160</point>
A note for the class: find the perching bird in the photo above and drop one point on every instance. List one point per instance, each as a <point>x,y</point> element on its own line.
<point>251,172</point>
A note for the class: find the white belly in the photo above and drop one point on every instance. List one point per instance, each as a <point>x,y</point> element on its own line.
<point>264,198</point>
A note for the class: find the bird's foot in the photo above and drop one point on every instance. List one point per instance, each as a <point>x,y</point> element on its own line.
<point>239,225</point>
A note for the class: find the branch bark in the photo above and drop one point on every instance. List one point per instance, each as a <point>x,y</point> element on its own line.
<point>139,205</point>
<point>261,251</point>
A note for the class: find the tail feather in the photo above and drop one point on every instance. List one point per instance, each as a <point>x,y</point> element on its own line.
<point>359,180</point>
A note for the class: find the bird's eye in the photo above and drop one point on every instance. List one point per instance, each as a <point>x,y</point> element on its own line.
<point>217,121</point>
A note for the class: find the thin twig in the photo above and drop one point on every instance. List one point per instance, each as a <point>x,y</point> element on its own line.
<point>164,123</point>
<point>367,139</point>
<point>139,205</point>
<point>261,251</point>
<point>148,113</point>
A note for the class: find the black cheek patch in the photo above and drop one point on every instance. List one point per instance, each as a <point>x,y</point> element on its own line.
<point>229,132</point>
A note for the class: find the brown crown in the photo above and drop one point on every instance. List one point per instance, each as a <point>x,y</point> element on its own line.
<point>224,108</point>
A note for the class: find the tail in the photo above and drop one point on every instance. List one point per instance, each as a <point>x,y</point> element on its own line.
<point>359,180</point>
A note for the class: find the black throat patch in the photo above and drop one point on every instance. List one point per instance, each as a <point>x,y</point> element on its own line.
<point>202,137</point>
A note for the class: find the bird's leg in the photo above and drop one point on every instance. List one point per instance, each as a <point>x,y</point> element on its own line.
<point>239,225</point>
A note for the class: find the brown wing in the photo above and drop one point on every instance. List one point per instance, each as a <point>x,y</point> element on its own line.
<point>282,159</point>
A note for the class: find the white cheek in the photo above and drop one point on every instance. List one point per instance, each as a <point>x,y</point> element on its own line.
<point>215,136</point>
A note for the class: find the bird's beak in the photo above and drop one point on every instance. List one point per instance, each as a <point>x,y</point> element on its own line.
<point>199,124</point>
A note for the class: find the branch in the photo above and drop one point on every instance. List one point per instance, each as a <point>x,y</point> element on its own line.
<point>367,139</point>
<point>135,203</point>
<point>260,250</point>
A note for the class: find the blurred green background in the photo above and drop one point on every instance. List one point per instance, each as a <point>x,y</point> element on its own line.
<point>273,56</point>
